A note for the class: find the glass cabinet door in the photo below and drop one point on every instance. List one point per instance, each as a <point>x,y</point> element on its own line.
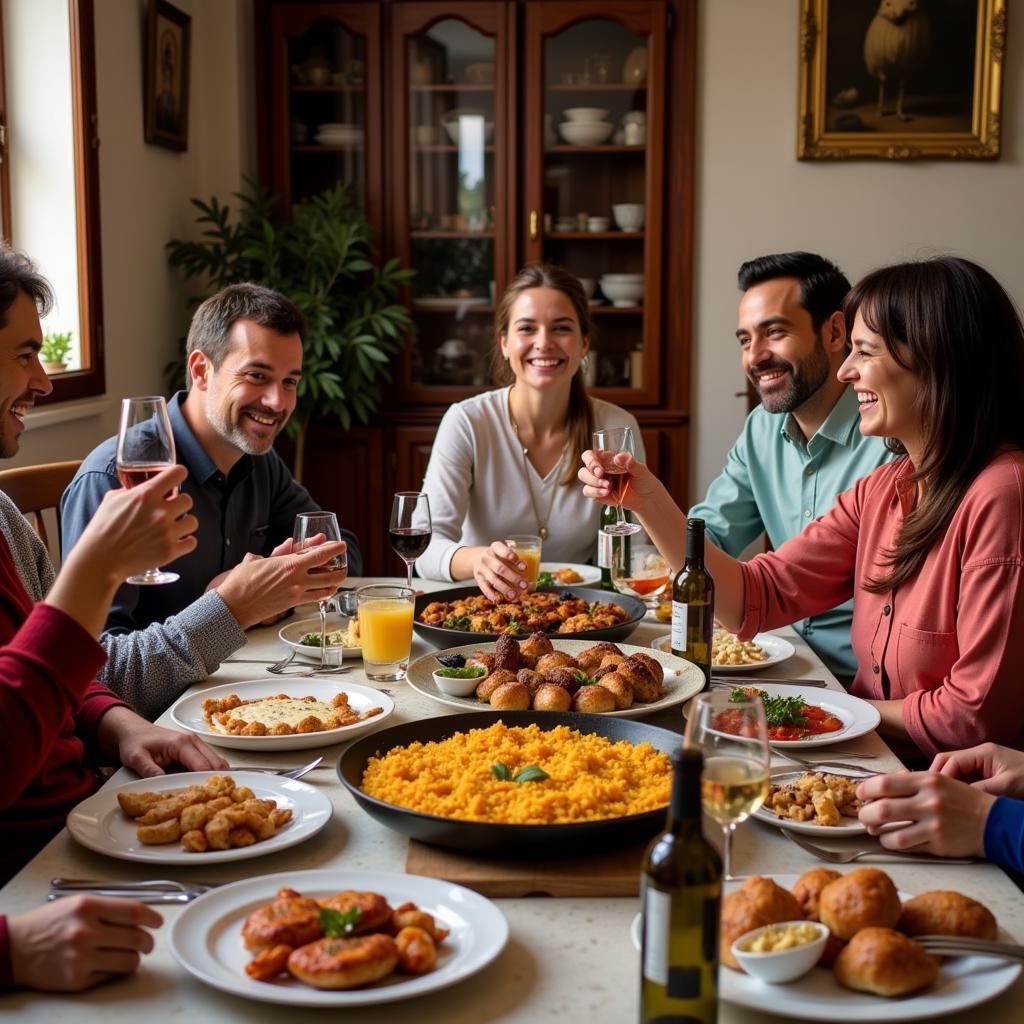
<point>326,110</point>
<point>593,130</point>
<point>451,189</point>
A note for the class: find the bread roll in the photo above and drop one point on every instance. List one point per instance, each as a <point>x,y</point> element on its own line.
<point>759,901</point>
<point>807,889</point>
<point>947,913</point>
<point>885,962</point>
<point>864,898</point>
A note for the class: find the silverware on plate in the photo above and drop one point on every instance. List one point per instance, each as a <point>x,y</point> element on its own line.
<point>287,773</point>
<point>805,763</point>
<point>159,890</point>
<point>962,945</point>
<point>848,856</point>
<point>738,680</point>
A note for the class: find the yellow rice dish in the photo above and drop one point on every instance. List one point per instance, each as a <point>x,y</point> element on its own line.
<point>589,777</point>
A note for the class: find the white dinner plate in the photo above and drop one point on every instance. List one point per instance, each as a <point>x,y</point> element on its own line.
<point>846,827</point>
<point>187,713</point>
<point>682,679</point>
<point>293,632</point>
<point>858,716</point>
<point>590,573</point>
<point>206,939</point>
<point>99,823</point>
<point>777,648</point>
<point>963,982</point>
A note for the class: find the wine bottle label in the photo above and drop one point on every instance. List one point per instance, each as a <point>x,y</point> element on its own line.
<point>680,615</point>
<point>604,549</point>
<point>657,923</point>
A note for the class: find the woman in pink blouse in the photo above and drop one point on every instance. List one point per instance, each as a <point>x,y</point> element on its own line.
<point>929,546</point>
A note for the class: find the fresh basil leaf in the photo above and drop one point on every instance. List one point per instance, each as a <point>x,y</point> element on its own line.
<point>339,923</point>
<point>531,773</point>
<point>501,772</point>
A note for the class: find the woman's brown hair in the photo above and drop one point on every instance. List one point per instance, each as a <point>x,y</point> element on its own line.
<point>579,420</point>
<point>965,342</point>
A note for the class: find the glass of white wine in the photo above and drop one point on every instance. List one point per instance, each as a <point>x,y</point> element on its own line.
<point>734,738</point>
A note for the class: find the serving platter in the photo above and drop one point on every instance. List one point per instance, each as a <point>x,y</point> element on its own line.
<point>846,827</point>
<point>682,679</point>
<point>590,573</point>
<point>963,982</point>
<point>187,713</point>
<point>439,636</point>
<point>479,836</point>
<point>858,716</point>
<point>99,824</point>
<point>293,633</point>
<point>777,648</point>
<point>206,938</point>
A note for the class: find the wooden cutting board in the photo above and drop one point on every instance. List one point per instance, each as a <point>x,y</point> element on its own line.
<point>585,873</point>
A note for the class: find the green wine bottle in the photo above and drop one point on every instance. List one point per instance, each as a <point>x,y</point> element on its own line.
<point>681,895</point>
<point>611,549</point>
<point>693,604</point>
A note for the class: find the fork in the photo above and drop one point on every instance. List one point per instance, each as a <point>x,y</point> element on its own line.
<point>285,773</point>
<point>161,890</point>
<point>848,856</point>
<point>962,945</point>
<point>804,763</point>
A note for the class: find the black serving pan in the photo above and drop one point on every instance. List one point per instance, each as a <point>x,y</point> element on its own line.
<point>441,637</point>
<point>485,837</point>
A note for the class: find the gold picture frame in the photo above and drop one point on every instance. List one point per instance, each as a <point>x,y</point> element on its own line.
<point>900,79</point>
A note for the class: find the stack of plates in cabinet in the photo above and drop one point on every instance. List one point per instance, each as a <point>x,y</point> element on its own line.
<point>333,134</point>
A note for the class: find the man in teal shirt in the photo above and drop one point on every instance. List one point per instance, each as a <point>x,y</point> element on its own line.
<point>802,446</point>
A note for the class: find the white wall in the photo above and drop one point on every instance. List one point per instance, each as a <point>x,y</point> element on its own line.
<point>144,201</point>
<point>754,197</point>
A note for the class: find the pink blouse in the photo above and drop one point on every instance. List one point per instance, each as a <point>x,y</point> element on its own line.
<point>950,641</point>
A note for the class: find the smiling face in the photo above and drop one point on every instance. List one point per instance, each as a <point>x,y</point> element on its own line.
<point>250,396</point>
<point>544,344</point>
<point>22,377</point>
<point>784,357</point>
<point>887,392</point>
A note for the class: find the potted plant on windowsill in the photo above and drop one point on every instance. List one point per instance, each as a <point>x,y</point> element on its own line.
<point>55,350</point>
<point>323,259</point>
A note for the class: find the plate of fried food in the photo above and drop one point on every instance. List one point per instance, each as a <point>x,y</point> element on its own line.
<point>819,803</point>
<point>543,673</point>
<point>337,938</point>
<point>303,636</point>
<point>871,968</point>
<point>281,713</point>
<point>199,817</point>
<point>730,654</point>
<point>567,574</point>
<point>462,615</point>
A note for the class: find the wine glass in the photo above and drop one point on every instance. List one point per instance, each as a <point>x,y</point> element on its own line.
<point>607,444</point>
<point>145,446</point>
<point>733,733</point>
<point>311,530</point>
<point>410,528</point>
<point>641,572</point>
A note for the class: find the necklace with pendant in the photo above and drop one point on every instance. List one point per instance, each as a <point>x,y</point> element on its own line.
<point>542,524</point>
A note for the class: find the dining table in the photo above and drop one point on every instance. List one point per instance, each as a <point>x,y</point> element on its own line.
<point>567,958</point>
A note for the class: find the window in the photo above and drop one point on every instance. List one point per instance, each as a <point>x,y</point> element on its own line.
<point>50,174</point>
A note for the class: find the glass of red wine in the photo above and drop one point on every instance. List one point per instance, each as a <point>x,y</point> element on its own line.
<point>311,530</point>
<point>145,446</point>
<point>410,528</point>
<point>607,444</point>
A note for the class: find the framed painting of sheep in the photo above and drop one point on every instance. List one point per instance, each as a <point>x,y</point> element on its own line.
<point>900,79</point>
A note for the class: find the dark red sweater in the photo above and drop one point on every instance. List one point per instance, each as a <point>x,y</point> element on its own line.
<point>49,704</point>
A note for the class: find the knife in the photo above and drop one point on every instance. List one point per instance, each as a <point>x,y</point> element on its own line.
<point>738,681</point>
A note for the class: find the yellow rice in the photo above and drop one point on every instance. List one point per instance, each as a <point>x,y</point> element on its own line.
<point>590,777</point>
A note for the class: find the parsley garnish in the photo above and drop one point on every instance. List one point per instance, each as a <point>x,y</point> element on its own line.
<point>339,923</point>
<point>457,622</point>
<point>777,710</point>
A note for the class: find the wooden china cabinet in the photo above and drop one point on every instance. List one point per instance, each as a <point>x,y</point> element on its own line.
<point>481,136</point>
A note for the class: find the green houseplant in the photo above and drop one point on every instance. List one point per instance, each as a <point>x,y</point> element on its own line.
<point>54,351</point>
<point>324,261</point>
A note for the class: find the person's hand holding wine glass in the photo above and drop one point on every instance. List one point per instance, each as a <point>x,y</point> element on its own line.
<point>410,528</point>
<point>311,530</point>
<point>733,734</point>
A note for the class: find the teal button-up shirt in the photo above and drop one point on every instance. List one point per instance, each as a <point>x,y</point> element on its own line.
<point>775,482</point>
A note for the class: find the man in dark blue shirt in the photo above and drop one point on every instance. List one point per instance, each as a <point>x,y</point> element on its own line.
<point>244,359</point>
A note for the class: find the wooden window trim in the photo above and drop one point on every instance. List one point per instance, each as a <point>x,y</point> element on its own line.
<point>5,178</point>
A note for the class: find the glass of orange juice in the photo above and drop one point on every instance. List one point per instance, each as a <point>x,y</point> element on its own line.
<point>385,630</point>
<point>527,547</point>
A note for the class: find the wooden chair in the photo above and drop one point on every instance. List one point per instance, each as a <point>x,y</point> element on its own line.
<point>35,489</point>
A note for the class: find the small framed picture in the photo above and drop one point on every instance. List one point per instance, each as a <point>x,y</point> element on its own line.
<point>901,79</point>
<point>167,74</point>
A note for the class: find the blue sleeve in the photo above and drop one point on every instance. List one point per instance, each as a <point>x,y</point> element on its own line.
<point>730,513</point>
<point>1004,833</point>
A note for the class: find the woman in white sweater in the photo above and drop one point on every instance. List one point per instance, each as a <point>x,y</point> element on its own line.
<point>505,461</point>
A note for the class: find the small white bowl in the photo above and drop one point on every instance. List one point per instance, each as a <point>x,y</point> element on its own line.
<point>457,687</point>
<point>586,133</point>
<point>598,223</point>
<point>586,114</point>
<point>452,123</point>
<point>629,216</point>
<point>786,964</point>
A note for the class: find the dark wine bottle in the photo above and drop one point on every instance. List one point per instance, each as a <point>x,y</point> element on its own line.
<point>681,895</point>
<point>693,604</point>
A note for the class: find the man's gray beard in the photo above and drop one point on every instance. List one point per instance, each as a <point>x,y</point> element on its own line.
<point>234,435</point>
